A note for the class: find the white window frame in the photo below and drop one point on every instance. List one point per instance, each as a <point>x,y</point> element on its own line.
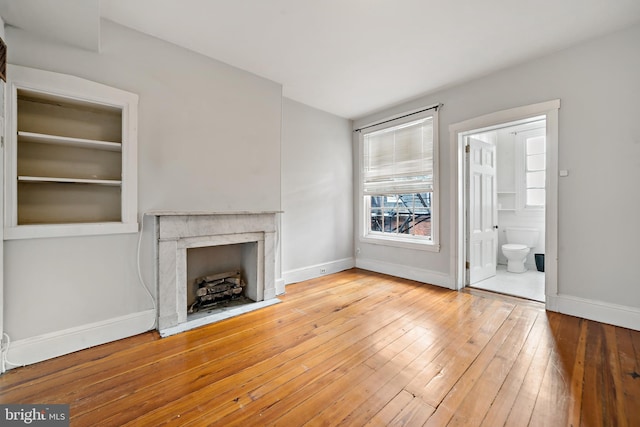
<point>521,168</point>
<point>401,240</point>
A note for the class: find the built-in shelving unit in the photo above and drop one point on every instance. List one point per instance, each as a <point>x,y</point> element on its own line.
<point>71,156</point>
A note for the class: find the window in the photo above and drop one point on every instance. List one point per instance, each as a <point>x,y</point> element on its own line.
<point>398,181</point>
<point>534,168</point>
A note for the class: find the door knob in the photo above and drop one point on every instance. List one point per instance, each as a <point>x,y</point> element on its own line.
<point>495,226</point>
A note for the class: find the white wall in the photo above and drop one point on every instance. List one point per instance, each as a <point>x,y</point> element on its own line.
<point>208,139</point>
<point>317,223</point>
<point>599,144</point>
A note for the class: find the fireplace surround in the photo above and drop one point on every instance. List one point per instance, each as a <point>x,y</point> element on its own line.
<point>177,232</point>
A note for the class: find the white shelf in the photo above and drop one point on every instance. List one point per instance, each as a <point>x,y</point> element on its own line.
<point>110,182</point>
<point>67,141</point>
<point>507,200</point>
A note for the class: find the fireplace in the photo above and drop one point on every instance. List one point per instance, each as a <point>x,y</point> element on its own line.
<point>193,245</point>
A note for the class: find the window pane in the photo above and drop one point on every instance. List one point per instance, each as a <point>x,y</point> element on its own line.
<point>536,162</point>
<point>389,221</point>
<point>376,202</point>
<point>535,197</point>
<point>535,145</point>
<point>535,179</point>
<point>376,213</point>
<point>423,201</point>
<point>377,220</point>
<point>419,224</point>
<point>404,211</point>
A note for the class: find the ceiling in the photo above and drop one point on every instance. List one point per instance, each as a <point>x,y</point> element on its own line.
<point>354,57</point>
<point>75,22</point>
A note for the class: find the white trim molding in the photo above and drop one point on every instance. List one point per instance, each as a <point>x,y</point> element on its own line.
<point>47,346</point>
<point>457,131</point>
<point>613,314</point>
<point>406,272</point>
<point>317,270</point>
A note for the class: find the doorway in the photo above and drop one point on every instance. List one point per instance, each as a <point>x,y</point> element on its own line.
<point>479,243</point>
<point>505,199</point>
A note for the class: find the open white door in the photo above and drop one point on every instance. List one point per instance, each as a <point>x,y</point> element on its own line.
<point>483,219</point>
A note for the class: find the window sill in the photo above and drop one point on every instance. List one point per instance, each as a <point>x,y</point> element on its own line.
<point>401,243</point>
<point>37,231</point>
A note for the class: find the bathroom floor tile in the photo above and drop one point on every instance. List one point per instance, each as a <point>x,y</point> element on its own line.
<point>529,285</point>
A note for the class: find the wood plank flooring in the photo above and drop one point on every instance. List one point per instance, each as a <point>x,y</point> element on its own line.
<point>353,349</point>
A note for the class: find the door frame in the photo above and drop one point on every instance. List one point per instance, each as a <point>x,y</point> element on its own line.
<point>458,171</point>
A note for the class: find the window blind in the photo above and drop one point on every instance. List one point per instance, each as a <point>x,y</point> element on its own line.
<point>399,159</point>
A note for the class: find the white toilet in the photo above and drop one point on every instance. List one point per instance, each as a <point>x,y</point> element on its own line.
<point>519,244</point>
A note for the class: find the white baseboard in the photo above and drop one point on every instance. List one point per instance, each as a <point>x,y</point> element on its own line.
<point>313,271</point>
<point>406,272</point>
<point>54,344</point>
<point>613,314</point>
<point>280,286</point>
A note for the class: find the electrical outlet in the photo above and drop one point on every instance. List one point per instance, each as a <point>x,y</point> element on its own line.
<point>323,270</point>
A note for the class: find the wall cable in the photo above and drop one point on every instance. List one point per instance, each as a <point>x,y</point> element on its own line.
<point>5,351</point>
<point>140,278</point>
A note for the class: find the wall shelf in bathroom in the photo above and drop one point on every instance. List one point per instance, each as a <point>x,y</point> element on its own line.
<point>506,200</point>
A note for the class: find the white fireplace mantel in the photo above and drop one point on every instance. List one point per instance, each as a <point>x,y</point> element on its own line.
<point>178,231</point>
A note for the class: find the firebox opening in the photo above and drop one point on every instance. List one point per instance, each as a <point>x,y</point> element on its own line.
<point>218,290</point>
<point>214,271</point>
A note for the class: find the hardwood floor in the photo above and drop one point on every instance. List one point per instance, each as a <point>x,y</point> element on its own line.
<point>355,348</point>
